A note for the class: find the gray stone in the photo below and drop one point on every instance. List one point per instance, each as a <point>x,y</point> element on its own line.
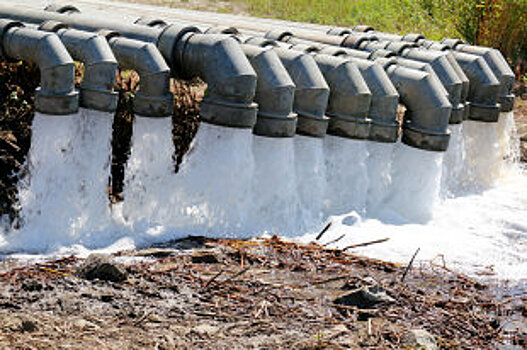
<point>420,339</point>
<point>100,266</point>
<point>365,297</point>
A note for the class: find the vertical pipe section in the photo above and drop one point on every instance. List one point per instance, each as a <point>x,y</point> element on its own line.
<point>100,65</point>
<point>57,94</point>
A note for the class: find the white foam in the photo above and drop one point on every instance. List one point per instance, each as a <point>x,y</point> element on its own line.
<point>379,165</point>
<point>310,170</point>
<point>346,174</point>
<point>275,198</point>
<point>454,162</point>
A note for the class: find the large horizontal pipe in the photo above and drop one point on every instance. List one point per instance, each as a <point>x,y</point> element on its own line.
<point>218,60</point>
<point>56,94</point>
<point>100,65</point>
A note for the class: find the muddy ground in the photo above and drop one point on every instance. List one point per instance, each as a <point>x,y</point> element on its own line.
<point>265,294</point>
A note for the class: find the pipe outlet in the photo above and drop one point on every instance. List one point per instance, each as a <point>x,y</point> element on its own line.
<point>96,90</point>
<point>349,99</point>
<point>446,74</point>
<point>425,124</point>
<point>153,98</point>
<point>484,88</point>
<point>56,94</point>
<point>343,51</point>
<point>274,93</point>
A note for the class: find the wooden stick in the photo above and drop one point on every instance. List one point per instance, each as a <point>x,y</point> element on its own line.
<point>328,225</point>
<point>366,243</point>
<point>409,265</point>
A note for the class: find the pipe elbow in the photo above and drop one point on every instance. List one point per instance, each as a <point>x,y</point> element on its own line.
<point>501,70</point>
<point>274,94</point>
<point>56,94</point>
<point>484,88</point>
<point>428,110</point>
<point>153,98</point>
<point>231,80</point>
<point>384,101</point>
<point>96,90</point>
<point>349,99</point>
<point>311,93</point>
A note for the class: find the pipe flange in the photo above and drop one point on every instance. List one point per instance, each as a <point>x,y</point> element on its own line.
<point>382,53</point>
<point>363,28</point>
<point>399,46</point>
<point>484,113</point>
<point>466,114</point>
<point>354,40</point>
<point>262,42</point>
<point>275,126</point>
<point>153,106</point>
<point>108,34</point>
<point>452,43</point>
<point>56,104</point>
<point>151,22</point>
<point>507,103</point>
<point>358,128</point>
<point>385,62</point>
<point>310,49</point>
<point>97,99</point>
<point>413,37</point>
<point>311,125</point>
<point>5,25</point>
<point>64,9</point>
<point>52,26</point>
<point>227,113</point>
<point>168,40</point>
<point>384,131</point>
<point>425,140</point>
<point>279,35</point>
<point>223,30</point>
<point>457,114</point>
<point>339,31</point>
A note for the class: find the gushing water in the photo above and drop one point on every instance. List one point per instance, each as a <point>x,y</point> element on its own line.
<point>212,189</point>
<point>454,163</point>
<point>275,197</point>
<point>63,197</point>
<point>310,170</point>
<point>416,178</point>
<point>346,175</point>
<point>379,165</point>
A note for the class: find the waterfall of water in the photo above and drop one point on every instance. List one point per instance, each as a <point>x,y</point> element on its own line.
<point>416,178</point>
<point>454,163</point>
<point>346,174</point>
<point>310,170</point>
<point>275,197</point>
<point>379,165</point>
<point>63,197</point>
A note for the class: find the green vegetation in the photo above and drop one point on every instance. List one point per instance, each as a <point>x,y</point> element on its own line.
<point>497,23</point>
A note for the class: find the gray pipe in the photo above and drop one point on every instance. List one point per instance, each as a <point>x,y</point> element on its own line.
<point>218,60</point>
<point>384,97</point>
<point>100,65</point>
<point>56,94</point>
<point>311,93</point>
<point>497,64</point>
<point>428,110</point>
<point>274,93</point>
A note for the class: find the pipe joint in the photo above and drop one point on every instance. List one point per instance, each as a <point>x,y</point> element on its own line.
<point>62,9</point>
<point>57,94</point>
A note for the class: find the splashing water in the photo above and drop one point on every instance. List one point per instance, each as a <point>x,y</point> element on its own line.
<point>379,165</point>
<point>275,198</point>
<point>454,163</point>
<point>64,197</point>
<point>346,175</point>
<point>310,171</point>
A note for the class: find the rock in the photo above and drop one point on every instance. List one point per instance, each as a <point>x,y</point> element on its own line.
<point>100,266</point>
<point>420,339</point>
<point>28,326</point>
<point>204,258</point>
<point>205,329</point>
<point>365,297</point>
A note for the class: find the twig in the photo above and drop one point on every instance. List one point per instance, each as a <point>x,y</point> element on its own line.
<point>409,265</point>
<point>334,241</point>
<point>324,230</point>
<point>213,279</point>
<point>365,244</point>
<point>332,279</point>
<point>236,275</point>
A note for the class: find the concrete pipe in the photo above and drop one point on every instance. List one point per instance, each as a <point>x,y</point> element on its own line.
<point>100,66</point>
<point>312,90</point>
<point>56,94</point>
<point>218,60</point>
<point>428,110</point>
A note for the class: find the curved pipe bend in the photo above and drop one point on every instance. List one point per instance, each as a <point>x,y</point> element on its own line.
<point>428,110</point>
<point>100,65</point>
<point>57,94</point>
